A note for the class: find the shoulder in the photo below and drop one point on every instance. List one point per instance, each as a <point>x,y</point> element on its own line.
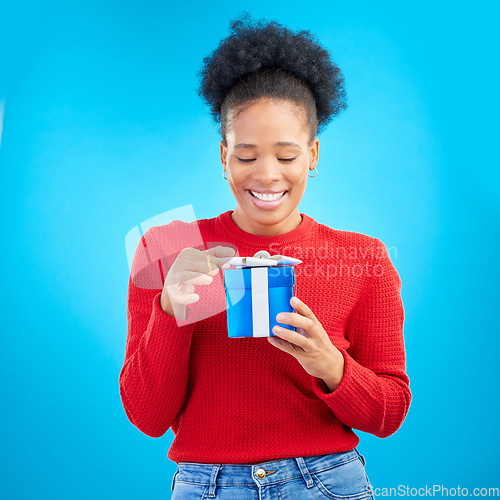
<point>352,241</point>
<point>157,246</point>
<point>357,249</point>
<point>361,251</point>
<point>189,233</point>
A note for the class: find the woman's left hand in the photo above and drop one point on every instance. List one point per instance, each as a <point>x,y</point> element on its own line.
<point>311,345</point>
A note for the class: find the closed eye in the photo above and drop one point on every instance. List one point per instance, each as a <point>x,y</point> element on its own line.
<point>246,160</point>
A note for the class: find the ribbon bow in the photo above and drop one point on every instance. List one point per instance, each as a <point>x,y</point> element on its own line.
<point>262,259</point>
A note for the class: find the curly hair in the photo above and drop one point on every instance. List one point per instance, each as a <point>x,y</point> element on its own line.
<point>270,60</point>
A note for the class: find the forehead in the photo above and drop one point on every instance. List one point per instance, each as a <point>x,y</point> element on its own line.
<point>282,123</point>
<point>279,144</point>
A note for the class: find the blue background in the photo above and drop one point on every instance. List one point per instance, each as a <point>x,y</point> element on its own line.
<point>102,130</point>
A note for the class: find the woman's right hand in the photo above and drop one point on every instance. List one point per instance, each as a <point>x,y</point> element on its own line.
<point>191,267</point>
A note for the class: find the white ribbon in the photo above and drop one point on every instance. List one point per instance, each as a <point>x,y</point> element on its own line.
<point>260,302</point>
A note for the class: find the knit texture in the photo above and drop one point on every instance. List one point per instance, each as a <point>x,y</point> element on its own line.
<point>243,400</point>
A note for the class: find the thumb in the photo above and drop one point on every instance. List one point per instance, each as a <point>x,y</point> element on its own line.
<point>221,252</point>
<point>219,255</point>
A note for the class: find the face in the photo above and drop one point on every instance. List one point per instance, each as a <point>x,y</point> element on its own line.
<point>267,159</point>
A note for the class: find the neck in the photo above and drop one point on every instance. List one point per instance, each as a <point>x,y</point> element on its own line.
<point>254,227</point>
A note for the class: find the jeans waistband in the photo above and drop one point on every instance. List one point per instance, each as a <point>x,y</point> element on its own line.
<point>263,473</point>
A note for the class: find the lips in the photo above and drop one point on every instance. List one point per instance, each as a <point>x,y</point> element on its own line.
<point>267,191</point>
<point>267,195</point>
<point>266,204</point>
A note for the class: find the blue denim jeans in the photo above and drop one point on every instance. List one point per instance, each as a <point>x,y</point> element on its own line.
<point>339,476</point>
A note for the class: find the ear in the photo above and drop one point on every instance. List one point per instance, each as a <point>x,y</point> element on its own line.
<point>314,153</point>
<point>223,154</point>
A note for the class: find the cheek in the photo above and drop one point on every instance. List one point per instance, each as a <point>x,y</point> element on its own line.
<point>233,176</point>
<point>298,182</point>
<point>235,182</point>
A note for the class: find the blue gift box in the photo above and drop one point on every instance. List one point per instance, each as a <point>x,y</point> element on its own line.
<point>254,296</point>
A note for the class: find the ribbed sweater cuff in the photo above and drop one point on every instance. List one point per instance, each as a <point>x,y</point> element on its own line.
<point>171,339</point>
<point>351,401</point>
<point>160,317</point>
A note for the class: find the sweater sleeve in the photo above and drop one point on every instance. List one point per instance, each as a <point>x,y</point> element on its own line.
<point>153,379</point>
<point>374,394</point>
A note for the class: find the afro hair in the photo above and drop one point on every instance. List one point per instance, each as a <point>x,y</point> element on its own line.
<point>270,48</point>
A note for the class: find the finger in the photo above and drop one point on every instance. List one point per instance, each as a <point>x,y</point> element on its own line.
<point>182,294</point>
<point>185,299</point>
<point>193,278</point>
<point>200,264</point>
<point>212,261</point>
<point>279,343</point>
<point>220,251</point>
<point>302,308</point>
<point>205,262</point>
<point>290,336</point>
<point>220,255</point>
<point>295,319</point>
<point>187,288</point>
<point>176,297</point>
<point>287,347</point>
<point>302,332</point>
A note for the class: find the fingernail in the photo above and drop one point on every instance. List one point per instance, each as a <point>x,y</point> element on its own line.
<point>280,317</point>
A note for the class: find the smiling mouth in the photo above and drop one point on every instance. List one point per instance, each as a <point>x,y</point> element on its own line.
<point>267,197</point>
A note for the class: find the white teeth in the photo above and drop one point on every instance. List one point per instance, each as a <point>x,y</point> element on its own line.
<point>268,197</point>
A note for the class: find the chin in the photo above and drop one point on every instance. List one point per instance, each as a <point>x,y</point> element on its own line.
<point>269,216</point>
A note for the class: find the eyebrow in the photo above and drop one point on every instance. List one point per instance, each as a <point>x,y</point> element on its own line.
<point>278,144</point>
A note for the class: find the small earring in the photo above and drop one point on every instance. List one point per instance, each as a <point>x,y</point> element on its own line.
<point>309,174</point>
<point>224,172</point>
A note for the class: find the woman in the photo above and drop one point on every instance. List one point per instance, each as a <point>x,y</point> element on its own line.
<point>258,418</point>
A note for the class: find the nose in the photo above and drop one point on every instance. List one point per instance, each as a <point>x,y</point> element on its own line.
<point>266,171</point>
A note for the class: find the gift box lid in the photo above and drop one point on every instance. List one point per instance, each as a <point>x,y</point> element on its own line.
<point>280,270</point>
<point>242,277</point>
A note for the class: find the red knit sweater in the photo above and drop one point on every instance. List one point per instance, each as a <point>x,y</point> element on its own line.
<point>243,400</point>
